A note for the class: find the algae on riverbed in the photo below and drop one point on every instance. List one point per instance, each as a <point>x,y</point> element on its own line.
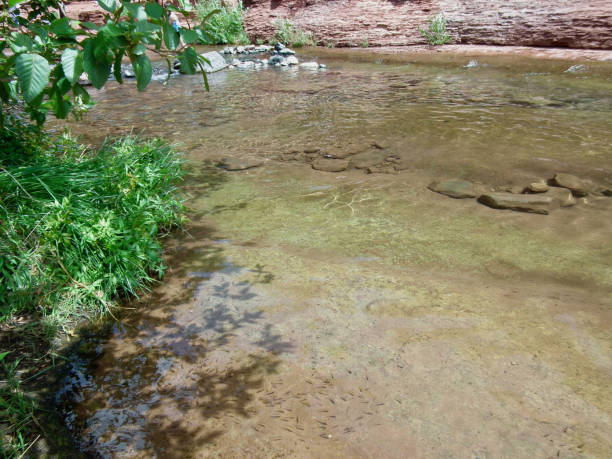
<point>400,225</point>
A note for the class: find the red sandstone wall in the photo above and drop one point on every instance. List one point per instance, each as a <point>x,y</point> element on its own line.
<point>563,23</point>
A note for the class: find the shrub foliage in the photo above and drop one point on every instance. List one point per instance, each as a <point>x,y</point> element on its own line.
<point>290,35</point>
<point>224,27</point>
<point>78,230</point>
<point>436,33</point>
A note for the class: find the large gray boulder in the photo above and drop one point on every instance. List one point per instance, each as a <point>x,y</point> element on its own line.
<point>217,62</point>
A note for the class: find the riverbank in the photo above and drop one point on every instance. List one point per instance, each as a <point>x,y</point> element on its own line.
<point>81,230</point>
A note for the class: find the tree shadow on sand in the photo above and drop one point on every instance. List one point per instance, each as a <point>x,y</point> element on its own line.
<point>189,357</point>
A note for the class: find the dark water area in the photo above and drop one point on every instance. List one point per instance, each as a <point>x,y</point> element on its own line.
<point>351,314</point>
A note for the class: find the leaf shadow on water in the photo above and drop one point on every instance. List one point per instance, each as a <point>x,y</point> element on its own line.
<point>185,363</point>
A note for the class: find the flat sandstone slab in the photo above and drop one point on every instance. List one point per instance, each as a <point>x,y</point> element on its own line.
<point>535,203</point>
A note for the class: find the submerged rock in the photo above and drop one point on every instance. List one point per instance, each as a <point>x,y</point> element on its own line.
<point>246,65</point>
<point>578,186</point>
<point>576,69</point>
<point>535,203</point>
<point>384,168</point>
<point>368,159</point>
<point>537,187</point>
<point>330,165</point>
<point>606,192</point>
<point>309,65</point>
<point>216,62</point>
<point>455,188</point>
<point>239,164</point>
<point>561,196</point>
<point>276,60</point>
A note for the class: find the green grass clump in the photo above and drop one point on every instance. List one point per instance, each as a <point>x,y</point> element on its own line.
<point>78,230</point>
<point>16,413</point>
<point>224,27</point>
<point>290,35</point>
<point>436,33</point>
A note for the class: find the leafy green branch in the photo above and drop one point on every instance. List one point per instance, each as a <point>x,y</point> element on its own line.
<point>43,55</point>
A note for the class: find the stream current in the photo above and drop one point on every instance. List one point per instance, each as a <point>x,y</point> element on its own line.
<point>307,313</point>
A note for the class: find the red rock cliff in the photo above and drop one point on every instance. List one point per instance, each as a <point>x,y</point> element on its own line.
<point>560,23</point>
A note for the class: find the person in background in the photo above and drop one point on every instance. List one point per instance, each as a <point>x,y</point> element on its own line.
<point>175,23</point>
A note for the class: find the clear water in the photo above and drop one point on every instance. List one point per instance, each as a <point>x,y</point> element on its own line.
<point>312,314</point>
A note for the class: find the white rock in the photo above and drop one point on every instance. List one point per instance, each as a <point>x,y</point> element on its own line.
<point>292,60</point>
<point>246,65</point>
<point>217,62</point>
<point>310,65</point>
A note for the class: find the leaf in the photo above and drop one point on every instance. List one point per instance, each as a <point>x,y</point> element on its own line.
<point>139,49</point>
<point>117,66</point>
<point>143,70</point>
<point>60,106</point>
<point>171,37</point>
<point>203,72</point>
<point>154,10</point>
<point>20,43</point>
<point>110,30</point>
<point>62,28</point>
<point>12,3</point>
<point>189,36</point>
<point>136,11</point>
<point>72,64</point>
<point>8,91</point>
<point>33,74</point>
<point>108,5</point>
<point>189,61</point>
<point>208,16</point>
<point>90,25</point>
<point>145,27</point>
<point>98,68</point>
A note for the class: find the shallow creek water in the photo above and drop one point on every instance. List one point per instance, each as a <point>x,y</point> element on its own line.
<point>319,314</point>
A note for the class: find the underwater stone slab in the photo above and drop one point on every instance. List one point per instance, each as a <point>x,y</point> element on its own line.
<point>368,159</point>
<point>578,186</point>
<point>239,164</point>
<point>455,188</point>
<point>330,165</point>
<point>537,187</point>
<point>217,62</point>
<point>534,203</point>
<point>561,196</point>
